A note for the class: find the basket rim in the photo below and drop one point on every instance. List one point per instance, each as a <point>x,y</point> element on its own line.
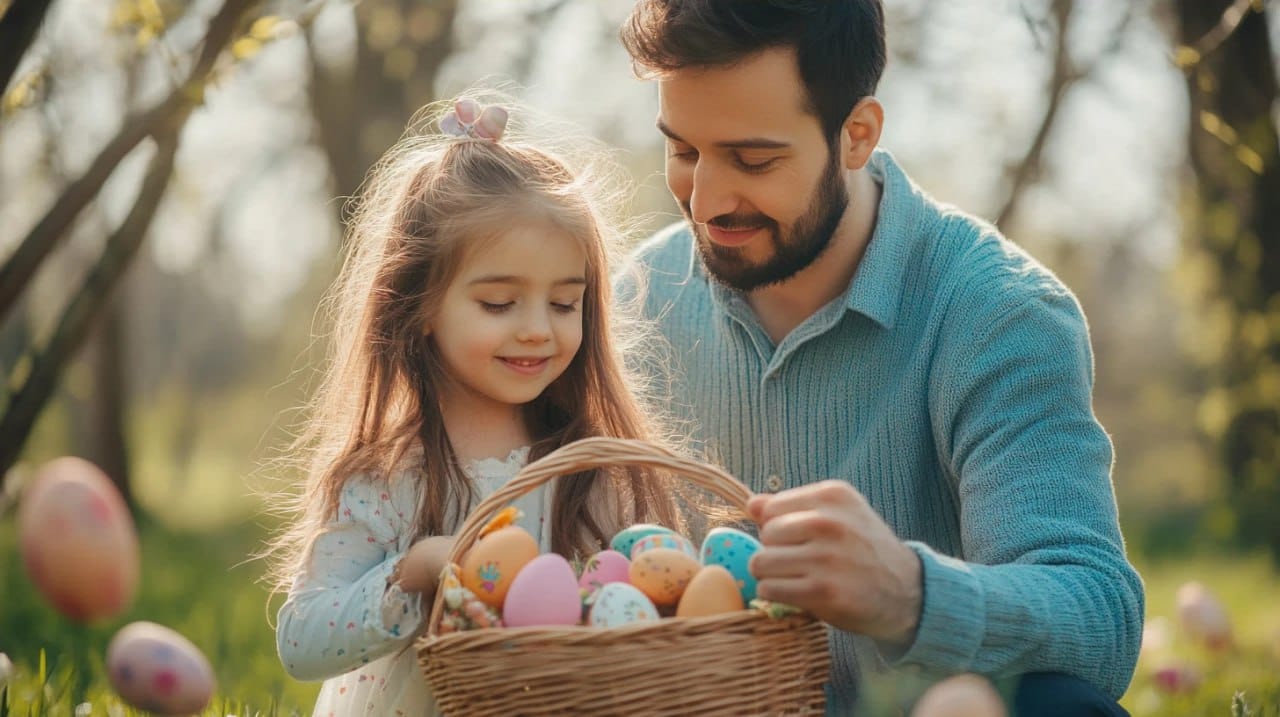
<point>591,452</point>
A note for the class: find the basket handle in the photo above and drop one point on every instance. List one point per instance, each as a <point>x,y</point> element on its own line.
<point>595,452</point>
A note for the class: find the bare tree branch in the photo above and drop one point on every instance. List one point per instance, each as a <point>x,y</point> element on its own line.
<point>1227,24</point>
<point>78,318</point>
<point>22,264</point>
<point>47,364</point>
<point>1065,76</point>
<point>18,29</point>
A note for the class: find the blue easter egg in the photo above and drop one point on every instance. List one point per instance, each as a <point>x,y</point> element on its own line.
<point>626,538</point>
<point>732,549</point>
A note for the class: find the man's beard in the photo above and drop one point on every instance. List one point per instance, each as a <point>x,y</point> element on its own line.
<point>804,243</point>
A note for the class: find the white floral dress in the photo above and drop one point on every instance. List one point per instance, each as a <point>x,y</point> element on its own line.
<point>344,624</point>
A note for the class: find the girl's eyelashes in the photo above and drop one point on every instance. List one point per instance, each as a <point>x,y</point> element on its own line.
<point>498,308</point>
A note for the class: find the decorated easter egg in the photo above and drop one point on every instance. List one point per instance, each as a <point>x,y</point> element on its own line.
<point>960,696</point>
<point>544,592</point>
<point>627,537</point>
<point>662,574</point>
<point>79,544</point>
<point>674,541</point>
<point>156,669</point>
<point>1203,616</point>
<point>732,549</point>
<point>606,566</point>
<point>494,561</point>
<point>711,591</point>
<point>617,604</point>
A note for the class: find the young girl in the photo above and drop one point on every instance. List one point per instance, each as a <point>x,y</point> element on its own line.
<point>472,336</point>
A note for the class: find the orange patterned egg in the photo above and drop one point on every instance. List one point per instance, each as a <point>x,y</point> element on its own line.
<point>79,544</point>
<point>712,591</point>
<point>494,561</point>
<point>663,573</point>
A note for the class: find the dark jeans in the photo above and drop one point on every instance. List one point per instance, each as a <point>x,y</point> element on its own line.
<point>1050,694</point>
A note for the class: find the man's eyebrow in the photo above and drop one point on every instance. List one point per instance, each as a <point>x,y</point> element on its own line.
<point>746,143</point>
<point>513,279</point>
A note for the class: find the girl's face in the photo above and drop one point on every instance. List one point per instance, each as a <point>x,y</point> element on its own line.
<point>511,321</point>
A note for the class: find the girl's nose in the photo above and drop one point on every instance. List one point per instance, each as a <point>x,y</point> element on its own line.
<point>536,328</point>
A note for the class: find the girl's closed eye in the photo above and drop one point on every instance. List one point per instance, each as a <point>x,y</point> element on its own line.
<point>566,307</point>
<point>496,307</point>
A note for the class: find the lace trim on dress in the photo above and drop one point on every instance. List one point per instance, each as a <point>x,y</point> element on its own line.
<point>503,468</point>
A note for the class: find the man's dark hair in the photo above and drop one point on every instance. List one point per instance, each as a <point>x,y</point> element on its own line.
<point>839,43</point>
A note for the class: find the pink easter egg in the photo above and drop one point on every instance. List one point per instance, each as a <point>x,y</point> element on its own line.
<point>155,668</point>
<point>1203,616</point>
<point>544,592</point>
<point>79,545</point>
<point>606,566</point>
<point>1175,677</point>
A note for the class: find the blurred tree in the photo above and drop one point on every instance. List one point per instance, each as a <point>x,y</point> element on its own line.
<point>363,101</point>
<point>36,375</point>
<point>1232,84</point>
<point>18,26</point>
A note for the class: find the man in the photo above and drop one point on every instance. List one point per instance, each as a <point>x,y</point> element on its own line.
<point>830,320</point>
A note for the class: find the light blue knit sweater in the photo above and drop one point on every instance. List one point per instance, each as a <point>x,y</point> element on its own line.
<point>951,385</point>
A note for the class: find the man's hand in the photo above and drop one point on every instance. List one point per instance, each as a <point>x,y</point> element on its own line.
<point>827,551</point>
<point>420,567</point>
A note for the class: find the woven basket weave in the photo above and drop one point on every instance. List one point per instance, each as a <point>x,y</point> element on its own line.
<point>742,663</point>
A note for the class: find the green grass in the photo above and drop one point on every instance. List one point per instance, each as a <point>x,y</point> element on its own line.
<point>200,586</point>
<point>1249,675</point>
<point>195,584</point>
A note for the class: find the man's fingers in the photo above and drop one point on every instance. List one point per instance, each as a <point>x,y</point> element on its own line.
<point>784,562</point>
<point>806,526</point>
<point>808,497</point>
<point>808,593</point>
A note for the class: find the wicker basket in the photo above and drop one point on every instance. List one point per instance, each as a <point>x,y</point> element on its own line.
<point>743,663</point>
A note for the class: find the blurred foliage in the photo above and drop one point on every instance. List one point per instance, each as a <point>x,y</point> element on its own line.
<point>1231,270</point>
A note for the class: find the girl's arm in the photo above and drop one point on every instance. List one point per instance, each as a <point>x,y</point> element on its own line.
<point>345,608</point>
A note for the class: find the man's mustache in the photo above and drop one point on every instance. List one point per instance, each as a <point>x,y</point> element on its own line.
<point>732,222</point>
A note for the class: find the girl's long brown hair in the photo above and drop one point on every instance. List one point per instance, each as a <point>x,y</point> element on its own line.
<point>424,207</point>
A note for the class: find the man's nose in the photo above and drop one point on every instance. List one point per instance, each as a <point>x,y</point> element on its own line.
<point>712,195</point>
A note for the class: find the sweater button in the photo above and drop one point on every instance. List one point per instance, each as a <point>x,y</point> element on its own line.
<point>773,483</point>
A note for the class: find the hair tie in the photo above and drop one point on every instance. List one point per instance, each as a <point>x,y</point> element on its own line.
<point>468,119</point>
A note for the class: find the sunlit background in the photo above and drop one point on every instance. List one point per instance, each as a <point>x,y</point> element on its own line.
<point>1071,125</point>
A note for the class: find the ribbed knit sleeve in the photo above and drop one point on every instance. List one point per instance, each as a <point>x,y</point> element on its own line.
<point>1044,585</point>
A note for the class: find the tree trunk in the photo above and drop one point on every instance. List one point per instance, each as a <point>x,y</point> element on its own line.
<point>18,28</point>
<point>1232,87</point>
<point>100,421</point>
<point>361,110</point>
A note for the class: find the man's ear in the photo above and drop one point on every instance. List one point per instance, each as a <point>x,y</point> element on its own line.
<point>861,132</point>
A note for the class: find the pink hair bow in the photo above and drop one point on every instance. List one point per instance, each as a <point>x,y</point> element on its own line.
<point>468,119</point>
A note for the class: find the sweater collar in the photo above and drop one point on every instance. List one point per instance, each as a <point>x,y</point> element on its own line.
<point>877,286</point>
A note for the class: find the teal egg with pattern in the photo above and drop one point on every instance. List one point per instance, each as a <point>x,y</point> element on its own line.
<point>626,539</point>
<point>732,549</point>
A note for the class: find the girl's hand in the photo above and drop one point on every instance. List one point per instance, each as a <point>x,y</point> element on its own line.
<point>419,569</point>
